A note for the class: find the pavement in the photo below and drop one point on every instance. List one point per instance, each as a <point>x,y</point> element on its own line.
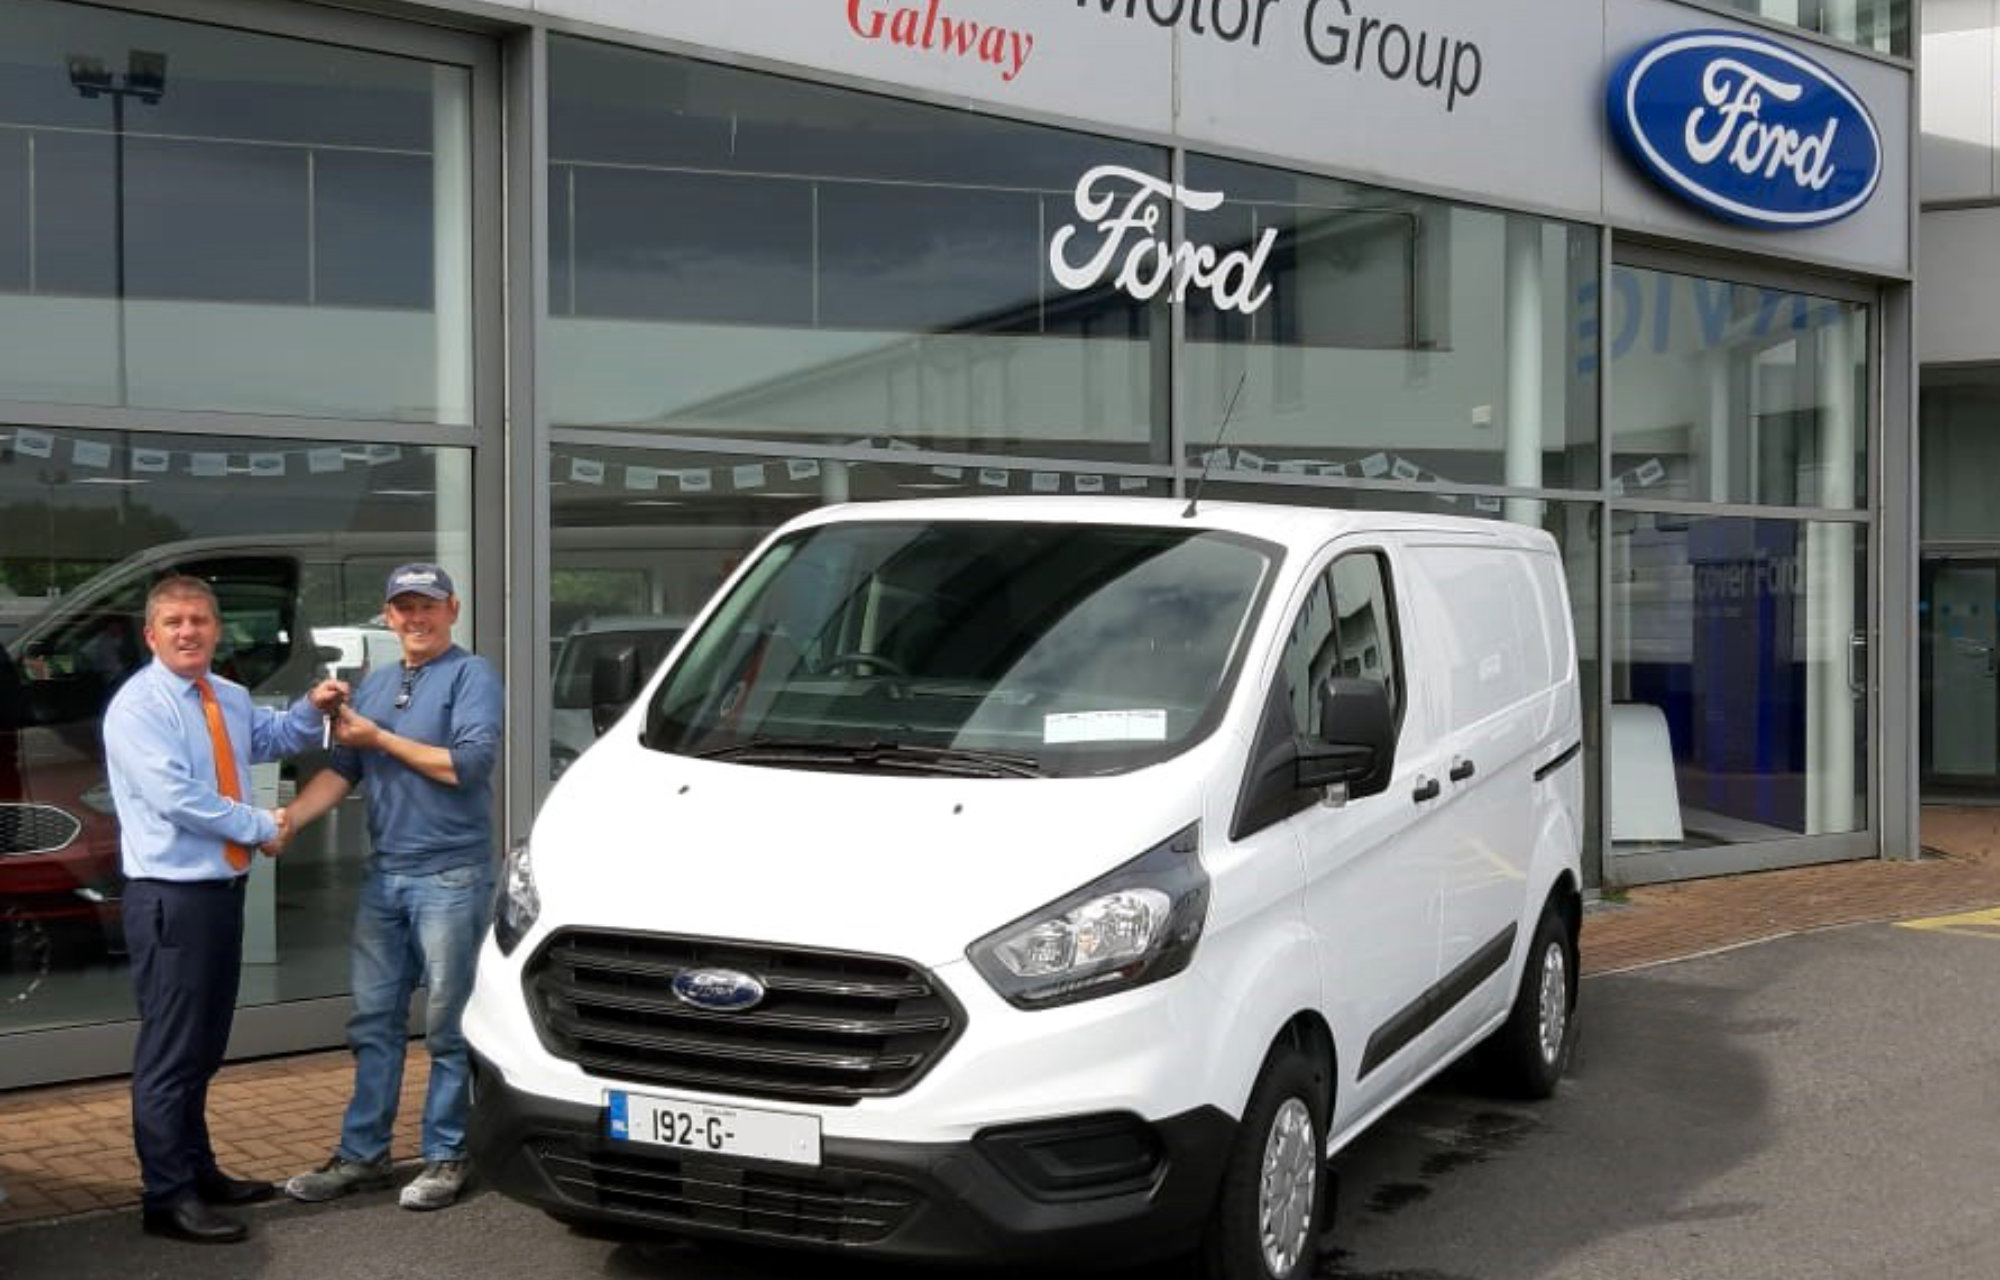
<point>67,1149</point>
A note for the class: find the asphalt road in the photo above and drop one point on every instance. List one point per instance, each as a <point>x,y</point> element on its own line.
<point>1825,1107</point>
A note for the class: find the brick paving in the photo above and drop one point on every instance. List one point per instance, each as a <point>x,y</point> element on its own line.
<point>1960,871</point>
<point>68,1149</point>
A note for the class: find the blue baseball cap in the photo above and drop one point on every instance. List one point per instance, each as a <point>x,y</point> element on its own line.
<point>419,580</point>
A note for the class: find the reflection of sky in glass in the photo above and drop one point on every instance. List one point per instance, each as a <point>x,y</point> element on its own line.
<point>1160,634</point>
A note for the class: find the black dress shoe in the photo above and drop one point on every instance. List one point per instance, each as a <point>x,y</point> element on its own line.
<point>189,1219</point>
<point>220,1188</point>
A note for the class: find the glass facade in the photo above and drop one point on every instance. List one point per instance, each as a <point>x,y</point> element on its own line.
<point>1403,338</point>
<point>1729,392</point>
<point>702,256</point>
<point>297,537</point>
<point>1958,603</point>
<point>1739,641</point>
<point>745,256</point>
<point>196,218</point>
<point>1881,25</point>
<point>1739,673</point>
<point>245,323</point>
<point>235,282</point>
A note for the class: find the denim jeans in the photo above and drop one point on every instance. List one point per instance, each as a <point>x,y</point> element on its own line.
<point>411,929</point>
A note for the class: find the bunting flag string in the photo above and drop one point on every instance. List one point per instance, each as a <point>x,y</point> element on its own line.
<point>199,459</point>
<point>202,460</point>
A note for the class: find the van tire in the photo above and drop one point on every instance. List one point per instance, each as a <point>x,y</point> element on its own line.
<point>1284,1127</point>
<point>1527,1056</point>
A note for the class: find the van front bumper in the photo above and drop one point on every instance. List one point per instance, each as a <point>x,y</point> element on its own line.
<point>1113,1185</point>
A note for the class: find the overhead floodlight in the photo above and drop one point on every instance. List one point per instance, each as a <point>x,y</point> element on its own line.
<point>90,76</point>
<point>146,75</point>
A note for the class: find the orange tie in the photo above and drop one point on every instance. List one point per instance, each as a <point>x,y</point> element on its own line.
<point>225,766</point>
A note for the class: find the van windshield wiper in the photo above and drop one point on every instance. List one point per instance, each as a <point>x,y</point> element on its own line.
<point>963,761</point>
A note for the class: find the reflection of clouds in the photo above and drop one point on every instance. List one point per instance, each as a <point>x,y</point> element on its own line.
<point>1159,633</point>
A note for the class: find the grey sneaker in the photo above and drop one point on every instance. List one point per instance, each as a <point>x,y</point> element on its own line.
<point>337,1177</point>
<point>436,1187</point>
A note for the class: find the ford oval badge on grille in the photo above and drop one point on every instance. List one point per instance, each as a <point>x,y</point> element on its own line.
<point>724,990</point>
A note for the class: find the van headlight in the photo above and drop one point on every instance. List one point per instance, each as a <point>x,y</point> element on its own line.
<point>516,904</point>
<point>1137,924</point>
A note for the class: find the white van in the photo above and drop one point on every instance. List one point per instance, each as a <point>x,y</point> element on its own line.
<point>1016,878</point>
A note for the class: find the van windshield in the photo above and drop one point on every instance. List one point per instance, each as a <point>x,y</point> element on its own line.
<point>973,648</point>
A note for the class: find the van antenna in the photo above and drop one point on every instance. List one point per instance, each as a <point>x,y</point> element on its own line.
<point>1208,459</point>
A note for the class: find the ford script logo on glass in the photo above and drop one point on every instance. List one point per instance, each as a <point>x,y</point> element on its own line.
<point>724,990</point>
<point>1746,129</point>
<point>1124,209</point>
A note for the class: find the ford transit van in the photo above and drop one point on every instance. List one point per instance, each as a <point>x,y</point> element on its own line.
<point>1017,878</point>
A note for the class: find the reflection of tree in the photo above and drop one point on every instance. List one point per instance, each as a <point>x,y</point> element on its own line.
<point>46,546</point>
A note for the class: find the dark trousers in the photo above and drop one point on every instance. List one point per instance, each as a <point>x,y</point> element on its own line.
<point>186,943</point>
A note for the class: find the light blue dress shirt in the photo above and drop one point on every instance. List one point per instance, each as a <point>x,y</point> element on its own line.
<point>172,818</point>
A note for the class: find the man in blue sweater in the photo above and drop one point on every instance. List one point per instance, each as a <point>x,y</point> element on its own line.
<point>423,737</point>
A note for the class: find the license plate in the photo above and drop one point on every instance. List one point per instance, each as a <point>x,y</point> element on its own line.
<point>708,1129</point>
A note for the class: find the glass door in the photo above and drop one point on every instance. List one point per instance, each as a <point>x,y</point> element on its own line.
<point>1960,679</point>
<point>1738,602</point>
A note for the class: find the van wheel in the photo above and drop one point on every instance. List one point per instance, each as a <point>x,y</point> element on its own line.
<point>1267,1218</point>
<point>1527,1056</point>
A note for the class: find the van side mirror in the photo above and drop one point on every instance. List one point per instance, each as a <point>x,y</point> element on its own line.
<point>1357,739</point>
<point>614,682</point>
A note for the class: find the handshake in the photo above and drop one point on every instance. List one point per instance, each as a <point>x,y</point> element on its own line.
<point>286,830</point>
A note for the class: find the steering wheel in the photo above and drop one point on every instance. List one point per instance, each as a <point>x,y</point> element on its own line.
<point>857,659</point>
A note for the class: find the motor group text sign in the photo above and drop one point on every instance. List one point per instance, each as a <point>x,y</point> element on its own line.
<point>1335,34</point>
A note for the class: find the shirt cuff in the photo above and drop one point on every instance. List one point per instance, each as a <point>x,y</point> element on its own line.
<point>304,717</point>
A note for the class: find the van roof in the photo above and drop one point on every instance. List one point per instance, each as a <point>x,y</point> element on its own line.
<point>1291,526</point>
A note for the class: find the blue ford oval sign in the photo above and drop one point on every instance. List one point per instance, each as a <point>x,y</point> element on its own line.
<point>1746,129</point>
<point>723,990</point>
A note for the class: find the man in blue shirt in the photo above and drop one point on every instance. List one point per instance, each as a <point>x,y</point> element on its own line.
<point>423,737</point>
<point>178,742</point>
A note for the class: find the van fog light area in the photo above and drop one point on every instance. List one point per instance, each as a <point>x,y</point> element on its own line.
<point>1076,1158</point>
<point>1137,924</point>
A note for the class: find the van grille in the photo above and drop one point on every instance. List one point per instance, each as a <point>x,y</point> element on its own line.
<point>35,828</point>
<point>832,1028</point>
<point>828,1205</point>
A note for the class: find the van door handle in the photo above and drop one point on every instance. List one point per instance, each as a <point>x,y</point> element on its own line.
<point>1427,789</point>
<point>1461,770</point>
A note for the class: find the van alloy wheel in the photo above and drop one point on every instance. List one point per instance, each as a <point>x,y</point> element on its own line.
<point>1527,1055</point>
<point>1553,1024</point>
<point>1289,1187</point>
<point>1272,1204</point>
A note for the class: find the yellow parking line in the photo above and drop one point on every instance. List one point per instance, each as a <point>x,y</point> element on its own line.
<point>1979,924</point>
